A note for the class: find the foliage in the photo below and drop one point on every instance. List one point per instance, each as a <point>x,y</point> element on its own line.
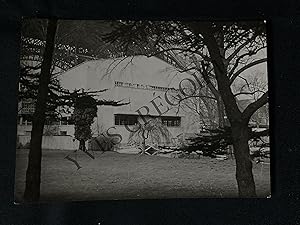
<point>216,141</point>
<point>153,131</point>
<point>72,45</point>
<point>102,143</point>
<point>33,173</point>
<point>180,36</point>
<point>189,47</point>
<point>47,47</point>
<point>85,110</point>
<point>50,130</point>
<point>21,146</point>
<point>60,100</point>
<point>28,89</point>
<point>211,142</point>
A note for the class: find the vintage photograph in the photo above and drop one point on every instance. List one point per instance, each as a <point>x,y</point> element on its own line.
<point>115,110</point>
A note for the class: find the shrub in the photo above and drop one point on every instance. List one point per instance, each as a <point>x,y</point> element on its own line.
<point>27,145</point>
<point>102,143</point>
<point>19,145</point>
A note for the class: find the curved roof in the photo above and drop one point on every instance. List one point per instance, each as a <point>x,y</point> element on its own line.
<point>148,73</point>
<point>101,74</point>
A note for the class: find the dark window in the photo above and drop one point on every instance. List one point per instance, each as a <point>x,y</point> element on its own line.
<point>28,118</point>
<point>63,133</point>
<point>55,122</point>
<point>66,121</point>
<point>27,107</point>
<point>171,121</point>
<point>121,119</point>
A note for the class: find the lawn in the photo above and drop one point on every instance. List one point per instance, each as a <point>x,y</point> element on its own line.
<point>113,175</point>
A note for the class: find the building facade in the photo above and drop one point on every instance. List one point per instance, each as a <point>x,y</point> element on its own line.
<point>151,87</point>
<point>148,85</point>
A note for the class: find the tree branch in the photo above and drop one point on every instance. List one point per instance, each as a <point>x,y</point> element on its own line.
<point>229,58</point>
<point>195,96</point>
<point>247,93</point>
<point>253,107</point>
<point>237,73</point>
<point>205,75</point>
<point>237,63</point>
<point>171,49</point>
<point>111,102</point>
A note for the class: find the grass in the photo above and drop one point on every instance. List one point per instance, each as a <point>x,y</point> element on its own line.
<point>113,175</point>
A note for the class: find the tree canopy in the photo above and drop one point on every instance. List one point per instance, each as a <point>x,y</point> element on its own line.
<point>220,52</point>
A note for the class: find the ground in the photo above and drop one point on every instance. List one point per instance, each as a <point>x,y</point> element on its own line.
<point>113,175</point>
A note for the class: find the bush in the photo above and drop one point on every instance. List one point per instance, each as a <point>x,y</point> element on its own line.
<point>27,145</point>
<point>102,143</point>
<point>19,145</point>
<point>211,143</point>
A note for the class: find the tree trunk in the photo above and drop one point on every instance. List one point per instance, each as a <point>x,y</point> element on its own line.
<point>238,121</point>
<point>143,146</point>
<point>82,145</point>
<point>244,176</point>
<point>221,113</point>
<point>33,173</point>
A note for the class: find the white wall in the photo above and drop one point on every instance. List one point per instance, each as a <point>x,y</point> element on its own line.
<point>26,129</point>
<point>102,74</point>
<point>53,142</point>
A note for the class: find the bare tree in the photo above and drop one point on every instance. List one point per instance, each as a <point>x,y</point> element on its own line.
<point>153,131</point>
<point>200,103</point>
<point>221,52</point>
